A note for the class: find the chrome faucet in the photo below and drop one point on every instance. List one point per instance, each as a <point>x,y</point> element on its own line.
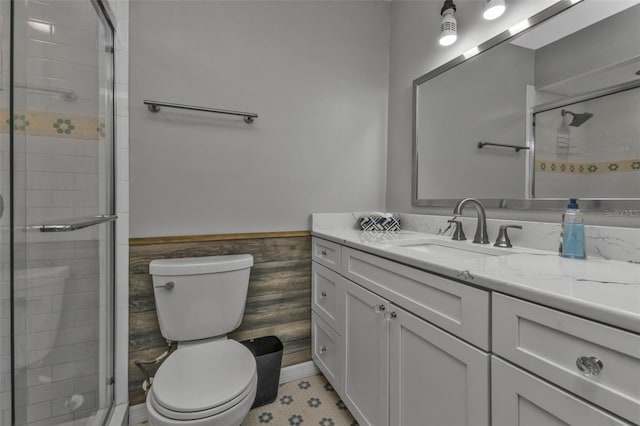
<point>481,228</point>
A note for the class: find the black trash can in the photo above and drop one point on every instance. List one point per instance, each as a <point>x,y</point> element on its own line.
<point>268,353</point>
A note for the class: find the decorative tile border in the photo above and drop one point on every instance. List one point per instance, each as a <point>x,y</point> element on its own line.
<point>568,167</point>
<point>36,123</point>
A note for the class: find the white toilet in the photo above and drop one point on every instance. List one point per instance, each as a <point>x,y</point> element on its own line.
<point>209,380</point>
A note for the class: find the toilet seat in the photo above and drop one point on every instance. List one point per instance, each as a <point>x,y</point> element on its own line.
<point>211,412</point>
<point>203,380</point>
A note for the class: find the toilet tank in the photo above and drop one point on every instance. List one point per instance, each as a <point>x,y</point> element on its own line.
<point>200,297</point>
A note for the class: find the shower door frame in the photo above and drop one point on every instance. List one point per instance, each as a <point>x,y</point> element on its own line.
<point>104,14</point>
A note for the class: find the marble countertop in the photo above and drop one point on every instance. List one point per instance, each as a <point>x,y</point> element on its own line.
<point>607,291</point>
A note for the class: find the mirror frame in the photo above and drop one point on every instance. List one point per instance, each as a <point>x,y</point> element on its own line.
<point>522,203</point>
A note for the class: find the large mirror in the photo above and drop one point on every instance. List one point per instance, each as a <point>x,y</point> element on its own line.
<point>531,119</point>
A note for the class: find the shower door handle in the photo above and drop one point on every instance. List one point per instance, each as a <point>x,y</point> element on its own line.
<point>78,223</point>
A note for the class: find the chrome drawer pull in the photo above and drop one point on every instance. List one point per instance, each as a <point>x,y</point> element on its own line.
<point>323,349</point>
<point>323,293</point>
<point>324,252</point>
<point>379,308</point>
<point>589,366</point>
<point>169,286</point>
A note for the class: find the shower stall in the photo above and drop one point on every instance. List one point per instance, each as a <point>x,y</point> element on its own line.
<point>57,222</point>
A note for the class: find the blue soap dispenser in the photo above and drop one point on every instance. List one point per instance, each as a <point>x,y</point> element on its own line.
<point>573,244</point>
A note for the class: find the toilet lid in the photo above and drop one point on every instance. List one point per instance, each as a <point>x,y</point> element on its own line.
<point>203,376</point>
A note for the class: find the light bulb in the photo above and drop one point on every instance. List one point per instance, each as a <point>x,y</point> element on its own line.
<point>448,28</point>
<point>493,9</point>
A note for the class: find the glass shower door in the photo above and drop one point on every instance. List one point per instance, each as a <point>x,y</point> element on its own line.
<point>63,233</point>
<point>5,217</point>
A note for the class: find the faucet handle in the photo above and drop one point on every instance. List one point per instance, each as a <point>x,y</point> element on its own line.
<point>503,238</point>
<point>458,233</point>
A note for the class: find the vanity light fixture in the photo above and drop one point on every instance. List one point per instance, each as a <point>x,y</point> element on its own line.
<point>448,25</point>
<point>493,9</point>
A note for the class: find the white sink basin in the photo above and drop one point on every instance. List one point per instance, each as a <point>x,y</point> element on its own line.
<point>451,249</point>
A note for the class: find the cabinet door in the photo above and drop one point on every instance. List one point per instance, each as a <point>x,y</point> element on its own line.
<point>521,399</point>
<point>366,346</point>
<point>436,378</point>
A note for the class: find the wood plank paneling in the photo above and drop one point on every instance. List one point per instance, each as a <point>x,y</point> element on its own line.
<point>278,302</point>
<point>214,237</point>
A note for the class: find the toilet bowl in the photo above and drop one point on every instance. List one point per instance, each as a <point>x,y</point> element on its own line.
<point>208,380</point>
<point>211,383</point>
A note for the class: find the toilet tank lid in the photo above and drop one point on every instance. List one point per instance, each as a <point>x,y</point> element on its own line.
<point>200,265</point>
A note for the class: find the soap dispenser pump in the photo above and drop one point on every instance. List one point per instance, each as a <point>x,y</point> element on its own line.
<point>573,240</point>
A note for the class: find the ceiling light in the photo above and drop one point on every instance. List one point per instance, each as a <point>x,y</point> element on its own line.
<point>493,9</point>
<point>519,27</point>
<point>471,53</point>
<point>448,25</point>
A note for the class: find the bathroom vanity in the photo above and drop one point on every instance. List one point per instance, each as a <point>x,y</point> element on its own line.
<point>412,329</point>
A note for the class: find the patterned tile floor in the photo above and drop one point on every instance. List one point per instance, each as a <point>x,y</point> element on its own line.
<point>305,402</point>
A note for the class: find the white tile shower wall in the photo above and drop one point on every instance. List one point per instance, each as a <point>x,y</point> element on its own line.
<point>55,48</point>
<point>611,135</point>
<point>57,334</point>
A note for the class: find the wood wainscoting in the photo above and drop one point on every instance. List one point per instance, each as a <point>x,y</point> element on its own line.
<point>278,303</point>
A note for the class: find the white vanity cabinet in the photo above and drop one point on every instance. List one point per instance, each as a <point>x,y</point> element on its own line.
<point>398,368</point>
<point>407,347</point>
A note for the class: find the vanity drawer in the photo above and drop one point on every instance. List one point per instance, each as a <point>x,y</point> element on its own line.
<point>326,253</point>
<point>549,343</point>
<point>460,309</point>
<point>327,290</point>
<point>326,350</point>
<point>524,400</point>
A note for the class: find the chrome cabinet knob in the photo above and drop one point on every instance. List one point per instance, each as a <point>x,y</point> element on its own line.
<point>168,286</point>
<point>323,349</point>
<point>324,252</point>
<point>589,366</point>
<point>323,293</point>
<point>393,315</point>
<point>379,308</point>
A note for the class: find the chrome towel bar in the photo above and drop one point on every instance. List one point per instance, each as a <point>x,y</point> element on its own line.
<point>77,223</point>
<point>516,147</point>
<point>154,106</point>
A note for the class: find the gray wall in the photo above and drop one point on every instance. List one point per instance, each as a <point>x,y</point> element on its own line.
<point>590,49</point>
<point>315,71</point>
<point>414,51</point>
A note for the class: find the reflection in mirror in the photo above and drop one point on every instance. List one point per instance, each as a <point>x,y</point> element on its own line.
<point>591,148</point>
<point>567,90</point>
